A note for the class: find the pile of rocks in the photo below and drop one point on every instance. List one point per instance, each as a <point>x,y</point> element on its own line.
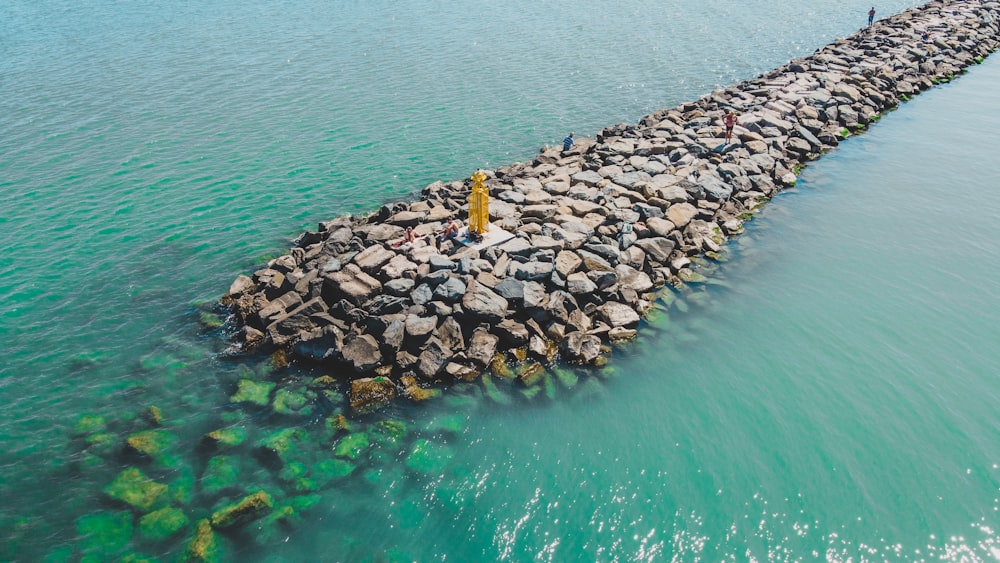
<point>598,228</point>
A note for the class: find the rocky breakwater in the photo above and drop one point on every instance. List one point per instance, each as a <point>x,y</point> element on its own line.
<point>598,229</point>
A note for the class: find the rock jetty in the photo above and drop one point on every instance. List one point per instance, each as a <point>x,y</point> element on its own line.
<point>598,228</point>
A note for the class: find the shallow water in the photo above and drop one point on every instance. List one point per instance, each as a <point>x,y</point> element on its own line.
<point>830,395</point>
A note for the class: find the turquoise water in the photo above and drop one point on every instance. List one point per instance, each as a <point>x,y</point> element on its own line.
<point>831,394</point>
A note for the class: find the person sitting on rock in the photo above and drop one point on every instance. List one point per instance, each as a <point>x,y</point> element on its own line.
<point>451,230</point>
<point>409,237</point>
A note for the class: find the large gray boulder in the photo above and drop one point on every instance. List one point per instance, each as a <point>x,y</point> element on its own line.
<point>657,249</point>
<point>581,347</point>
<point>617,314</point>
<point>361,351</point>
<point>480,302</point>
<point>482,347</point>
<point>351,284</point>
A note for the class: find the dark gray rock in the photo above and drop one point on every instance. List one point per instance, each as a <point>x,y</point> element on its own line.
<point>657,249</point>
<point>450,335</point>
<point>422,294</point>
<point>361,351</point>
<point>580,347</point>
<point>432,359</point>
<point>450,291</point>
<point>512,332</point>
<point>481,303</point>
<point>399,287</point>
<point>483,346</point>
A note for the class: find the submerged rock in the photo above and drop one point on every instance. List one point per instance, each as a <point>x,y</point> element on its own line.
<point>429,457</point>
<point>162,524</point>
<point>246,510</point>
<point>371,393</point>
<point>253,392</point>
<point>204,546</point>
<point>135,489</point>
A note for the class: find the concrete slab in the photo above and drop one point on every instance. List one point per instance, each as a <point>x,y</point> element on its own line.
<point>495,235</point>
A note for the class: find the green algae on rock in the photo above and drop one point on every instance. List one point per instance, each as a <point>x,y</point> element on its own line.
<point>242,512</point>
<point>429,457</point>
<point>89,424</point>
<point>135,489</point>
<point>221,473</point>
<point>352,446</point>
<point>228,437</point>
<point>151,443</point>
<point>104,533</point>
<point>162,524</point>
<point>253,392</point>
<point>204,546</point>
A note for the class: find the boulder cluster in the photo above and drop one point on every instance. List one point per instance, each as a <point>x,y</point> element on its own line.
<point>598,228</point>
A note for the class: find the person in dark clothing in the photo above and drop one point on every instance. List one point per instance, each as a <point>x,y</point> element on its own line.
<point>871,16</point>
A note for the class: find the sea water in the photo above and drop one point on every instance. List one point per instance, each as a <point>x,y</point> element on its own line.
<point>830,394</point>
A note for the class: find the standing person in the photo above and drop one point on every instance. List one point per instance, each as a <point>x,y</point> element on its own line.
<point>871,16</point>
<point>568,142</point>
<point>729,120</point>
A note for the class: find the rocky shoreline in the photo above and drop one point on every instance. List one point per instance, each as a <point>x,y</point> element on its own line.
<point>599,229</point>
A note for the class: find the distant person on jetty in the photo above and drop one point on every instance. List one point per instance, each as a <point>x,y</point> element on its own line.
<point>871,16</point>
<point>729,120</point>
<point>409,237</point>
<point>568,142</point>
<point>451,230</point>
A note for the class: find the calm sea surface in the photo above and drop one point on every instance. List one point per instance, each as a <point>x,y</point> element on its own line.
<point>832,393</point>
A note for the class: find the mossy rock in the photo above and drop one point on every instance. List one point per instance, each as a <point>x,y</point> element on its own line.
<point>429,457</point>
<point>682,305</point>
<point>690,276</point>
<point>209,321</point>
<point>242,512</point>
<point>590,390</point>
<point>531,392</point>
<point>103,444</point>
<point>161,362</point>
<point>154,415</point>
<point>162,524</point>
<point>151,443</point>
<point>352,446</point>
<point>500,368</point>
<point>549,384</point>
<point>293,470</point>
<point>204,546</point>
<point>493,392</point>
<point>449,423</point>
<point>228,437</point>
<point>135,489</point>
<point>284,444</point>
<point>331,469</point>
<point>567,378</point>
<point>531,374</point>
<point>221,472</point>
<point>334,397</point>
<point>181,489</point>
<point>104,533</point>
<point>253,392</point>
<point>395,429</point>
<point>338,423</point>
<point>324,382</point>
<point>293,401</point>
<point>89,424</point>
